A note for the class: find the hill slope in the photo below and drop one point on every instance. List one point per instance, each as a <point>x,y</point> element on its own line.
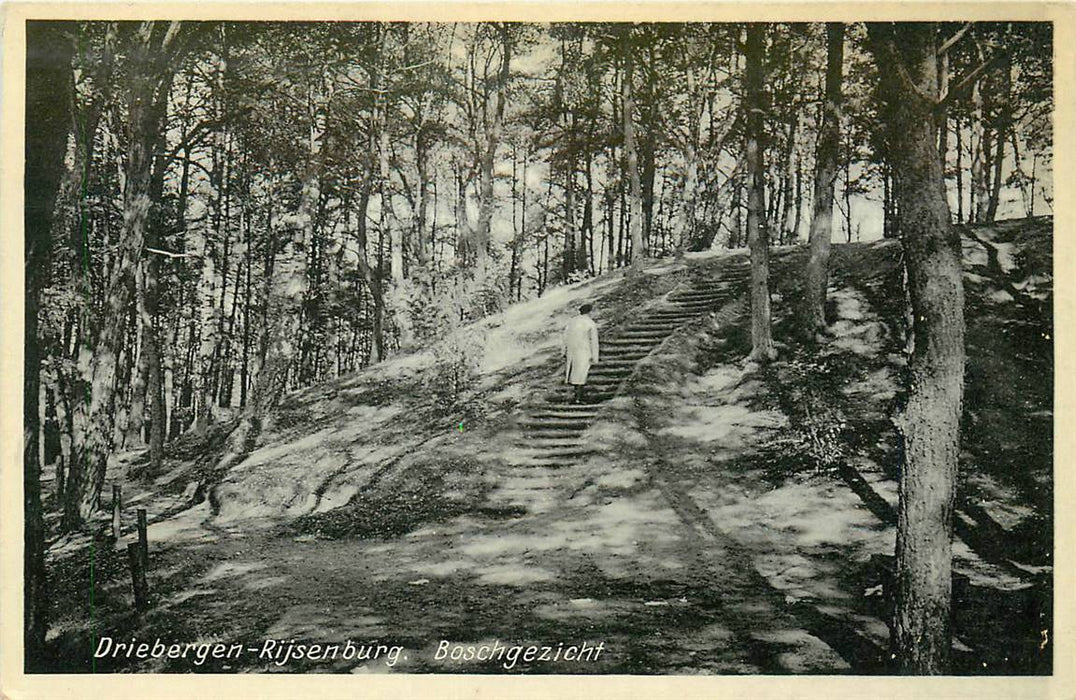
<point>705,516</point>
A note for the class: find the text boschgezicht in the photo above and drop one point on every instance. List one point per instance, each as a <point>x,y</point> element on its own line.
<point>281,652</point>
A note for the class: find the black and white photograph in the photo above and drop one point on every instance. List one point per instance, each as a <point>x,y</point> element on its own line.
<point>536,348</point>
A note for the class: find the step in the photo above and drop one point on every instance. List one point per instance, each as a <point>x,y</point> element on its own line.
<point>655,325</point>
<point>593,390</point>
<point>602,382</point>
<point>697,298</point>
<point>628,354</point>
<point>553,443</point>
<point>721,281</point>
<point>550,429</point>
<point>596,395</point>
<point>537,463</point>
<point>681,298</point>
<point>553,452</point>
<point>677,315</point>
<point>554,422</point>
<point>653,322</point>
<point>722,291</point>
<point>621,345</point>
<point>644,334</point>
<point>608,375</point>
<point>549,433</point>
<point>568,412</point>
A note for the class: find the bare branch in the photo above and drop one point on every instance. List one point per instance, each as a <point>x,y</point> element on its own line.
<point>170,254</point>
<point>952,41</point>
<point>971,77</point>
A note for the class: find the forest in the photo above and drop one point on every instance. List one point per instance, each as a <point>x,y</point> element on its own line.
<point>221,213</point>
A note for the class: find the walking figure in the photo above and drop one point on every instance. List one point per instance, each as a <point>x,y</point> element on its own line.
<point>580,349</point>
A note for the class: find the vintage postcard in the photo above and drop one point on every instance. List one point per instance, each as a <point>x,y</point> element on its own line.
<point>519,350</point>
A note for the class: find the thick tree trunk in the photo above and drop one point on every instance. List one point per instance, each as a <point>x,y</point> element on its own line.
<point>757,234</point>
<point>930,424</point>
<point>825,175</point>
<point>48,104</point>
<point>96,419</point>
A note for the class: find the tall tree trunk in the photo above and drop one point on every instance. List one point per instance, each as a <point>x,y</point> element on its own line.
<point>372,279</point>
<point>286,288</point>
<point>788,183</point>
<point>980,201</point>
<point>517,237</point>
<point>396,261</point>
<point>631,154</point>
<point>736,235</point>
<point>147,287</point>
<point>687,233</point>
<point>248,301</point>
<point>571,230</point>
<point>522,223</point>
<point>48,105</point>
<point>147,71</point>
<point>930,423</point>
<point>829,136</point>
<point>586,242</point>
<point>943,112</point>
<point>423,239</point>
<point>1002,123</point>
<point>799,201</point>
<point>757,234</point>
<point>959,171</point>
<point>847,192</point>
<point>493,137</point>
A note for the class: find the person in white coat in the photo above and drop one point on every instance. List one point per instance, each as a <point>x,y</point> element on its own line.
<point>580,349</point>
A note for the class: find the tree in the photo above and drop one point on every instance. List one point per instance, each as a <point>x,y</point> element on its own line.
<point>829,137</point>
<point>631,150</point>
<point>757,233</point>
<point>48,73</point>
<point>906,54</point>
<point>154,47</point>
<point>494,125</point>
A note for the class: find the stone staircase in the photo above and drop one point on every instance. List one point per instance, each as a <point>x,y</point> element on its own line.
<point>553,428</point>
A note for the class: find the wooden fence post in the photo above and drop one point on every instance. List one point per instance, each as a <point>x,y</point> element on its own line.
<point>138,575</point>
<point>143,539</point>
<point>116,505</point>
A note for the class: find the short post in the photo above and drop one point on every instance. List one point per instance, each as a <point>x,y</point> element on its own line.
<point>143,540</point>
<point>116,504</point>
<point>138,575</point>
